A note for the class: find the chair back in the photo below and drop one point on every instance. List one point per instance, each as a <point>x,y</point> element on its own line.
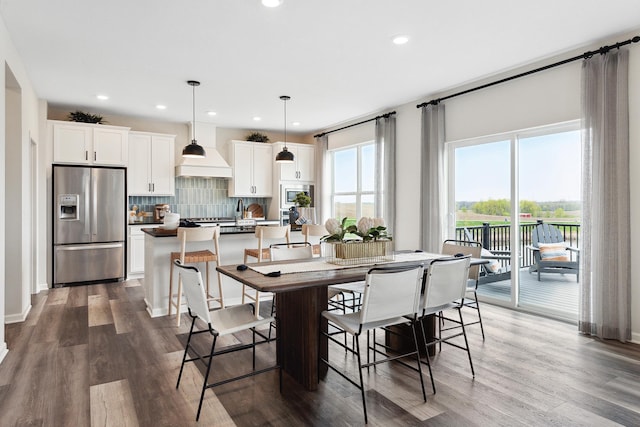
<point>391,292</point>
<point>546,233</point>
<point>445,281</point>
<point>290,251</point>
<point>313,230</point>
<point>474,249</point>
<point>194,291</point>
<point>270,232</point>
<point>198,234</point>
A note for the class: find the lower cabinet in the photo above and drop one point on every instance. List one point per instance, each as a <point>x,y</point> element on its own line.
<point>135,251</point>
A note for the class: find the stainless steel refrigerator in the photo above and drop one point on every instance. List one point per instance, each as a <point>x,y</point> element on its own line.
<point>89,227</point>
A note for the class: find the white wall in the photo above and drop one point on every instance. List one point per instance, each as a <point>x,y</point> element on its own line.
<point>29,130</point>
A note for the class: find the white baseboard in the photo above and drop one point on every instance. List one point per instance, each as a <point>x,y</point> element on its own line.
<point>3,351</point>
<point>43,287</point>
<point>18,317</point>
<point>635,337</point>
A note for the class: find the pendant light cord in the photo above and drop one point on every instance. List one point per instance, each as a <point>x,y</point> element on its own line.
<point>285,98</point>
<point>194,113</point>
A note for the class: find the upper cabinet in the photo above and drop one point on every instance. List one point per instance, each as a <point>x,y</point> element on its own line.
<point>89,144</point>
<point>151,164</point>
<point>252,164</point>
<point>303,167</point>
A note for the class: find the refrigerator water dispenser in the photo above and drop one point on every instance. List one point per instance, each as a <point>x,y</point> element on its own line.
<point>68,206</point>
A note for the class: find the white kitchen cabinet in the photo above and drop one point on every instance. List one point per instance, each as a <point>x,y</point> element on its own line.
<point>151,164</point>
<point>303,166</point>
<point>89,144</point>
<point>136,251</point>
<point>252,164</point>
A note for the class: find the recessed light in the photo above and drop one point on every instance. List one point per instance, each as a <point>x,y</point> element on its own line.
<point>102,97</point>
<point>271,3</point>
<point>296,123</point>
<point>211,113</point>
<point>161,107</point>
<point>257,119</point>
<point>400,39</point>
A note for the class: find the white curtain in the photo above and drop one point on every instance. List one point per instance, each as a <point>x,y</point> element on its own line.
<point>432,185</point>
<point>385,141</point>
<point>605,309</point>
<point>323,176</point>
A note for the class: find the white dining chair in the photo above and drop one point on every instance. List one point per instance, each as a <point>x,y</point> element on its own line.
<point>445,286</point>
<point>219,323</point>
<point>391,297</point>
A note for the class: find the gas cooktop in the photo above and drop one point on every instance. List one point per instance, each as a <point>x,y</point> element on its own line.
<point>212,219</point>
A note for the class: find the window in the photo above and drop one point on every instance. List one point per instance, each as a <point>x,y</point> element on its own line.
<point>353,181</point>
<point>500,187</point>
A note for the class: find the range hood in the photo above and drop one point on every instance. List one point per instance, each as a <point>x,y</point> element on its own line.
<point>213,165</point>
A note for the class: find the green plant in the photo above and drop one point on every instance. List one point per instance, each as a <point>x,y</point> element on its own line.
<point>368,229</point>
<point>302,200</point>
<point>79,116</point>
<point>257,137</point>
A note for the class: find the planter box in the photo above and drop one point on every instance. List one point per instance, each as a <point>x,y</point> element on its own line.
<point>357,252</point>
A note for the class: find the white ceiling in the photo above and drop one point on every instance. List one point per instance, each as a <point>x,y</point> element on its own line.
<point>333,57</point>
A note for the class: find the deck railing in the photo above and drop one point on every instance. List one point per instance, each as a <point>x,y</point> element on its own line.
<point>498,237</point>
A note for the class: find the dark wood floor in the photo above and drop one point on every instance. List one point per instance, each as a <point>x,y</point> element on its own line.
<point>91,355</point>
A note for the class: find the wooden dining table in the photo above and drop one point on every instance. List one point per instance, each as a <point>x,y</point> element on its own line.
<point>301,296</point>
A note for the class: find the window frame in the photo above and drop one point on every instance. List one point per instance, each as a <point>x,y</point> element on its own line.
<point>359,192</point>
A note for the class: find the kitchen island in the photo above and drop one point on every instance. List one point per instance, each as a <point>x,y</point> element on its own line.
<point>159,243</point>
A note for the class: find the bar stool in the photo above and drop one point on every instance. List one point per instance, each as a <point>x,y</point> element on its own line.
<point>263,232</point>
<point>314,230</point>
<point>198,234</point>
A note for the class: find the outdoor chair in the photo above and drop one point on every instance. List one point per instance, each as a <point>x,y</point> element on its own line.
<point>219,323</point>
<point>551,253</point>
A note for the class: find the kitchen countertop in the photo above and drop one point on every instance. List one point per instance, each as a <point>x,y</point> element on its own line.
<point>225,228</point>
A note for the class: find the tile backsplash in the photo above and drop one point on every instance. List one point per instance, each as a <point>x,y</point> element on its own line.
<point>197,198</point>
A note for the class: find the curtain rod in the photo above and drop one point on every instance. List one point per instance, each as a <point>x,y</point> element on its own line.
<point>585,55</point>
<point>386,115</point>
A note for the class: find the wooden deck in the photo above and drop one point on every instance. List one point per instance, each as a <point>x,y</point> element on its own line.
<point>555,294</point>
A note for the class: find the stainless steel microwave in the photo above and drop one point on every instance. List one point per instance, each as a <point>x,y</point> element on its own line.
<point>288,194</point>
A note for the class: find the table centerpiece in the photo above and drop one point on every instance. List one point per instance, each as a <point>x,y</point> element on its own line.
<point>365,242</point>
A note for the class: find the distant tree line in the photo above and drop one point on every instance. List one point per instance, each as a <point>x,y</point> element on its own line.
<point>502,207</point>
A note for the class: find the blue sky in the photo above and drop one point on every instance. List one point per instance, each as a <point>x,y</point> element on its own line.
<point>549,169</point>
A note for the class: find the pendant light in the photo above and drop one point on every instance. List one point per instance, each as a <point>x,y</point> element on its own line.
<point>193,149</point>
<point>285,156</point>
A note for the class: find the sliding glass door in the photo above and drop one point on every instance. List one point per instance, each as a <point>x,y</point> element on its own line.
<point>500,189</point>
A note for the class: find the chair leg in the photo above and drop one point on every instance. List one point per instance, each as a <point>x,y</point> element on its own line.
<point>206,376</point>
<point>220,289</point>
<point>364,401</point>
<point>466,342</point>
<point>426,348</point>
<point>415,342</point>
<point>179,301</point>
<point>273,310</point>
<point>170,288</point>
<point>186,351</point>
<point>477,307</point>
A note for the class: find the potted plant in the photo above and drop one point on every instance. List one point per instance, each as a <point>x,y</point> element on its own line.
<point>257,137</point>
<point>373,242</point>
<point>302,200</point>
<point>80,116</point>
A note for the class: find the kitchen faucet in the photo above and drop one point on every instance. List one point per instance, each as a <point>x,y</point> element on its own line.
<point>240,208</point>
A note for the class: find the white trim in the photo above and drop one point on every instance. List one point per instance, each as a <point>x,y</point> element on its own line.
<point>17,318</point>
<point>3,351</point>
<point>635,338</point>
<point>42,287</point>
